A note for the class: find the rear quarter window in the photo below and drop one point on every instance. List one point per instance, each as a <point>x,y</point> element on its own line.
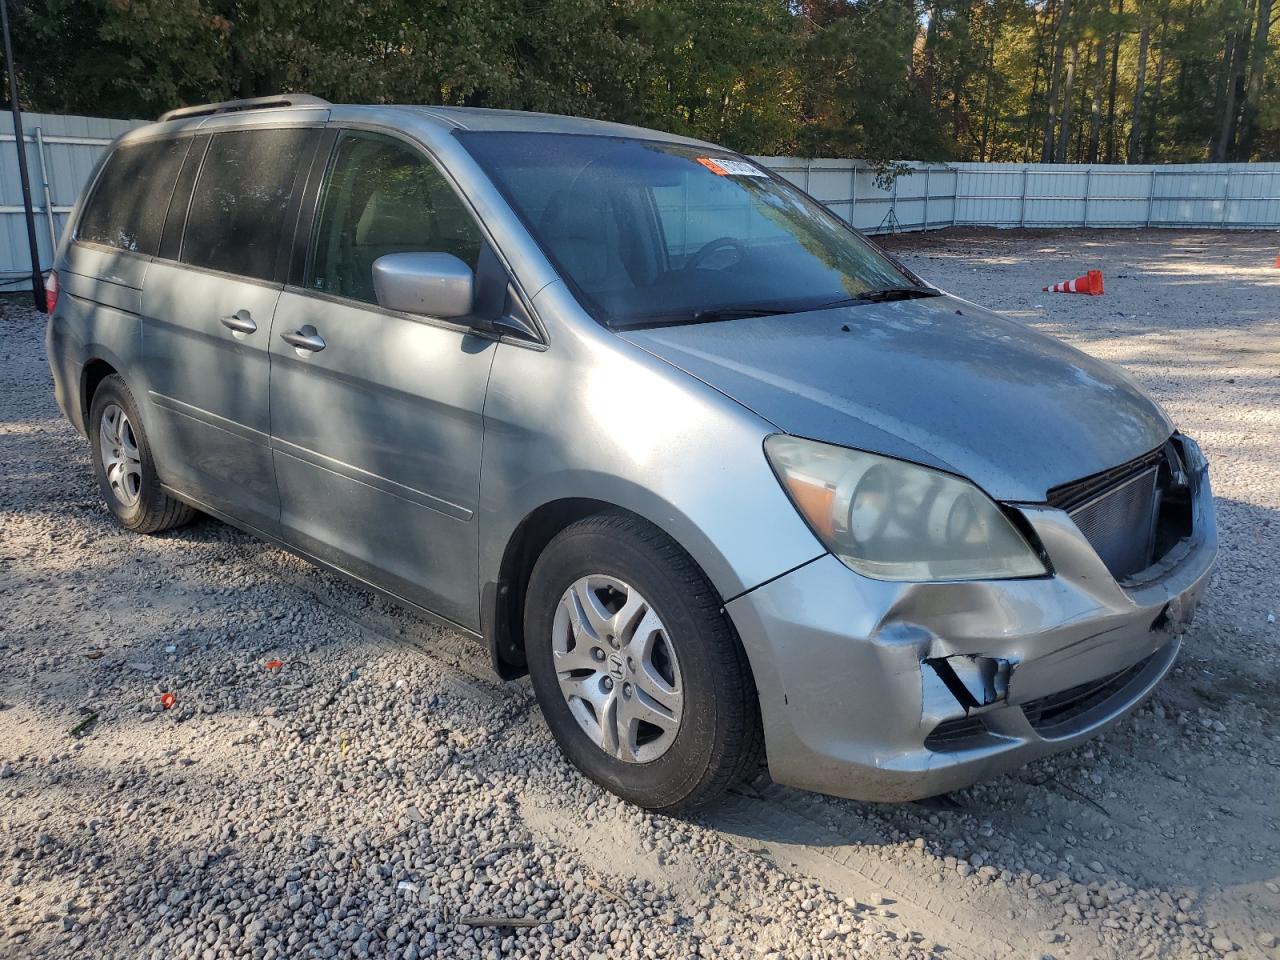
<point>129,202</point>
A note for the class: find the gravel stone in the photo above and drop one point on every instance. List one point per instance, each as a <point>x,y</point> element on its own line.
<point>276,814</point>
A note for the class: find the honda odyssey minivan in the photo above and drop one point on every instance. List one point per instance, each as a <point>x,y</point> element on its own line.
<point>722,477</point>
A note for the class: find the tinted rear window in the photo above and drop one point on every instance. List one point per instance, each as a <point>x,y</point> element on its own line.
<point>129,203</point>
<point>239,204</point>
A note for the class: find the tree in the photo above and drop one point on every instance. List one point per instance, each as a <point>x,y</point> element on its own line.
<point>1257,67</point>
<point>1058,80</point>
<point>1059,48</point>
<point>855,74</point>
<point>1139,94</point>
<point>1095,102</point>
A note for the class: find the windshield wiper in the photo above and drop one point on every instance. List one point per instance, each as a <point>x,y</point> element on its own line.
<point>735,313</point>
<point>709,315</point>
<point>714,314</point>
<point>881,295</point>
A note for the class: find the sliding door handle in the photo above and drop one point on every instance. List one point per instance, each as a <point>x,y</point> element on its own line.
<point>240,322</point>
<point>305,339</point>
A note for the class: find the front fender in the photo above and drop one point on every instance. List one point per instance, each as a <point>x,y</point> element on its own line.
<point>597,418</point>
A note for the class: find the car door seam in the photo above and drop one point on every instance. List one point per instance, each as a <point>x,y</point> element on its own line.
<point>765,583</point>
<point>484,424</point>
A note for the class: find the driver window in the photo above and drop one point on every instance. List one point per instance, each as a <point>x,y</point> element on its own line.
<point>381,196</point>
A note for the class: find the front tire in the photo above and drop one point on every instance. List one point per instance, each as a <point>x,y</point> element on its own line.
<point>124,465</point>
<point>639,673</point>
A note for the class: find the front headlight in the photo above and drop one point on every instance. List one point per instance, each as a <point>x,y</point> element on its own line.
<point>899,521</point>
<point>1192,456</point>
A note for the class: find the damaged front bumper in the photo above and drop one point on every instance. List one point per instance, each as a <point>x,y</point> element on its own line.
<point>895,691</point>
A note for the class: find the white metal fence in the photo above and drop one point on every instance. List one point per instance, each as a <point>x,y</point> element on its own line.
<point>930,196</point>
<point>61,151</point>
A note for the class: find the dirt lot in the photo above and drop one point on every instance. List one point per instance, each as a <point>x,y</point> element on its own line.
<point>380,795</point>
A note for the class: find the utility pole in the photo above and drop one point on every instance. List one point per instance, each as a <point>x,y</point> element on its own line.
<point>37,278</point>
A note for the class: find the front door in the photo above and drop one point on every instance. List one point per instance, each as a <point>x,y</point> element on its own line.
<point>376,417</point>
<point>207,310</point>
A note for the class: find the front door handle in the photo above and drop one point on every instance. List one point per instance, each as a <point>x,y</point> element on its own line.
<point>304,339</point>
<point>240,322</point>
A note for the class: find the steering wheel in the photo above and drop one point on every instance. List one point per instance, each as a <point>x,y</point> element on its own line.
<point>714,246</point>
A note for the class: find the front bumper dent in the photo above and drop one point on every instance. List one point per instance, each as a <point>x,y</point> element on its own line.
<point>896,691</point>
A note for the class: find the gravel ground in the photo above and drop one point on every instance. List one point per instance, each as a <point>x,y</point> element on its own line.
<point>377,793</point>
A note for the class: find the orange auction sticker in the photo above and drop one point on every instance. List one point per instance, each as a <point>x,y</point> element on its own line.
<point>728,167</point>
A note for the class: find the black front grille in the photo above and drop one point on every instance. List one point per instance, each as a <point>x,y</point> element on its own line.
<point>954,734</point>
<point>1119,511</point>
<point>1065,706</point>
<point>1052,716</point>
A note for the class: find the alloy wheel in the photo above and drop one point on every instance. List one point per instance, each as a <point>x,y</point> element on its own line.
<point>121,459</point>
<point>617,668</point>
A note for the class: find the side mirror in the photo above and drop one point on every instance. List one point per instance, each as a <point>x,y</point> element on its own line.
<point>431,284</point>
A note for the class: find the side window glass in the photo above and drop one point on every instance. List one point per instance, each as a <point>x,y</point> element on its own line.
<point>129,203</point>
<point>381,196</point>
<point>239,203</point>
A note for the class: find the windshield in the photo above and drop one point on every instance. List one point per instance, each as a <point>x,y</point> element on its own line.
<point>648,232</point>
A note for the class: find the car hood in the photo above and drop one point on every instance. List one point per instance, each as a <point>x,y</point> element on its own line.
<point>938,381</point>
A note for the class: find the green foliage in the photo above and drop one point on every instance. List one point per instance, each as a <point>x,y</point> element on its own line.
<point>858,95</point>
<point>877,79</point>
<point>717,69</point>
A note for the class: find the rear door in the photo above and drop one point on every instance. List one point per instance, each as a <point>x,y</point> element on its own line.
<point>207,306</point>
<point>376,425</point>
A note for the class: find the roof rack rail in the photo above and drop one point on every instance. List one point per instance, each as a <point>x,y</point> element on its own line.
<point>252,103</point>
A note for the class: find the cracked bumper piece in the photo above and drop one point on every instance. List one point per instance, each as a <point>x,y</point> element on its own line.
<point>896,691</point>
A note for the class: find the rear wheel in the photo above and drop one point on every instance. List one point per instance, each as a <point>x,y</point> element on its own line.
<point>123,463</point>
<point>638,671</point>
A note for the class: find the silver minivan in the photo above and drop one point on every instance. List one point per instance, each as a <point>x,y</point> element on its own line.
<point>722,477</point>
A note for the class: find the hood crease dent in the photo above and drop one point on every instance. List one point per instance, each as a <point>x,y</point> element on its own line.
<point>939,382</point>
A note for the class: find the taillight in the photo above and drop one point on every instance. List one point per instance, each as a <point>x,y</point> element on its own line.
<point>51,291</point>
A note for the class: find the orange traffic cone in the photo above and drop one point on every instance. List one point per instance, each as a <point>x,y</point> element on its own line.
<point>1090,283</point>
<point>1278,263</point>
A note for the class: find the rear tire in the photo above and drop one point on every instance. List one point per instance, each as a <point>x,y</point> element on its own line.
<point>661,708</point>
<point>124,465</point>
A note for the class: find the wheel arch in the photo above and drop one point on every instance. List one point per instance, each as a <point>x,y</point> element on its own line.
<point>502,600</point>
<point>94,371</point>
<point>502,597</point>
